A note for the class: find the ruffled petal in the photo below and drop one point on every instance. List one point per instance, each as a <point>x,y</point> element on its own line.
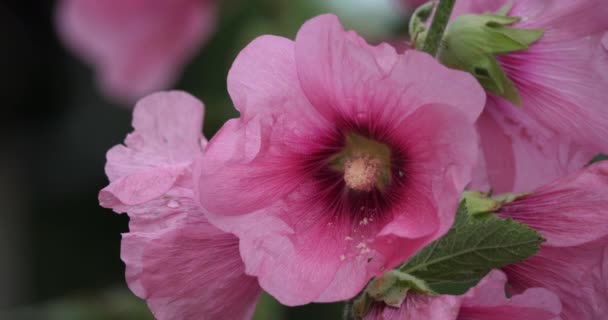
<point>168,134</point>
<point>519,156</point>
<point>190,271</point>
<point>275,251</point>
<point>442,149</point>
<point>560,90</point>
<point>251,151</point>
<point>263,81</point>
<point>562,20</point>
<point>175,260</point>
<point>568,212</point>
<point>496,167</point>
<point>342,76</point>
<point>488,301</point>
<point>573,273</point>
<point>157,156</point>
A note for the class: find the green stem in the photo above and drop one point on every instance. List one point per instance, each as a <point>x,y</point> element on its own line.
<point>440,21</point>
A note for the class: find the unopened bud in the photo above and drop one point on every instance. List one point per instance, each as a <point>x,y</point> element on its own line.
<point>472,42</point>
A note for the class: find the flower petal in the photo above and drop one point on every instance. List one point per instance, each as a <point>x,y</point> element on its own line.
<point>168,133</point>
<point>573,273</point>
<point>273,251</point>
<point>570,211</point>
<point>488,301</point>
<point>190,271</point>
<point>519,156</point>
<point>342,75</point>
<point>415,306</point>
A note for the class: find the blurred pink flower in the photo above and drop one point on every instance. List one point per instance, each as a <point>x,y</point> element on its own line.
<point>180,264</point>
<point>136,46</point>
<point>485,301</point>
<point>346,159</point>
<point>562,122</point>
<point>572,214</point>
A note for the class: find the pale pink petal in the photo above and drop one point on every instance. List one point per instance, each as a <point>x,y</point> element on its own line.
<point>238,160</point>
<point>158,153</point>
<point>563,20</point>
<point>560,91</point>
<point>488,301</point>
<point>139,187</point>
<point>332,66</point>
<point>421,77</point>
<point>519,156</point>
<point>136,47</point>
<point>496,169</point>
<point>272,252</point>
<point>442,146</point>
<point>263,82</point>
<point>168,133</point>
<point>264,86</point>
<point>192,271</point>
<point>573,273</point>
<point>570,211</point>
<point>341,74</point>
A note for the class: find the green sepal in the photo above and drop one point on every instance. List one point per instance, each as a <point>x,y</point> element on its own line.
<point>478,203</point>
<point>417,27</point>
<point>472,42</point>
<point>393,286</point>
<point>391,289</point>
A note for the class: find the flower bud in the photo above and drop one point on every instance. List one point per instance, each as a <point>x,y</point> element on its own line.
<point>473,42</point>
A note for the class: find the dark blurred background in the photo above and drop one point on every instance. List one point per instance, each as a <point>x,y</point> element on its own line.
<point>59,250</point>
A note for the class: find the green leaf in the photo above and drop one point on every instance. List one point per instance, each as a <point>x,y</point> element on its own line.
<point>476,244</point>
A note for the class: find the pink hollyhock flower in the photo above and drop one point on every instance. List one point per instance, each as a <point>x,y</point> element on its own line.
<point>572,214</point>
<point>485,301</point>
<point>562,122</point>
<point>346,159</point>
<point>184,267</point>
<point>136,46</point>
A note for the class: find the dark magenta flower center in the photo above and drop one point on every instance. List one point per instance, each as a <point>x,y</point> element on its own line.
<point>360,174</point>
<point>364,163</point>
